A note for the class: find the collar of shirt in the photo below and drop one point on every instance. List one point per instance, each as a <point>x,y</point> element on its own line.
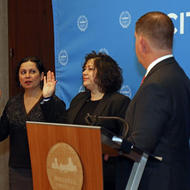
<point>155,62</point>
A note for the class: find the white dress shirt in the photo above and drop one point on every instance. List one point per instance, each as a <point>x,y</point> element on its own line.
<point>155,62</point>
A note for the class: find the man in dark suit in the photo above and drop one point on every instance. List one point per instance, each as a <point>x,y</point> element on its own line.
<point>159,114</point>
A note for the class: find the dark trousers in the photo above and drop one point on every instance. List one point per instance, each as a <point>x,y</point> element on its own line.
<point>20,179</point>
<point>123,171</point>
<point>109,171</point>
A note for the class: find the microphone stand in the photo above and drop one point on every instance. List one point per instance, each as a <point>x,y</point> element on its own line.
<point>111,143</point>
<point>120,146</point>
<point>92,119</point>
<point>119,143</point>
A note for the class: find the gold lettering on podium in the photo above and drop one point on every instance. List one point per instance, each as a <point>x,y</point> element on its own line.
<point>64,168</point>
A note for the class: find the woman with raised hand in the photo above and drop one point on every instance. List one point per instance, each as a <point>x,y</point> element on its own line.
<point>102,79</point>
<point>23,107</point>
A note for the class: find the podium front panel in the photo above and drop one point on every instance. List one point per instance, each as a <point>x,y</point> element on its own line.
<point>84,140</point>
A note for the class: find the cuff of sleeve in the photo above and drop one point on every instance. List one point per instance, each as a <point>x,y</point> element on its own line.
<point>45,100</point>
<point>126,146</point>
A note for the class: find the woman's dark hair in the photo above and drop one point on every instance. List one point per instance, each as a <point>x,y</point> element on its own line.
<point>109,75</point>
<point>34,59</point>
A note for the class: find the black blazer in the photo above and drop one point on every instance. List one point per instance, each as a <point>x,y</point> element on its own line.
<point>54,110</point>
<point>113,104</point>
<point>159,123</point>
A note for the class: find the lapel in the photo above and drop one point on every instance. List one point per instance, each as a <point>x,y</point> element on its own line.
<point>99,108</point>
<point>77,107</point>
<point>159,66</point>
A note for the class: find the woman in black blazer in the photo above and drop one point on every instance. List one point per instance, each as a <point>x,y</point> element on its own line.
<point>102,78</point>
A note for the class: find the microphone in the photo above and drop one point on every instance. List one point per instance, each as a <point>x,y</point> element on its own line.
<point>120,143</point>
<point>93,119</point>
<point>117,142</point>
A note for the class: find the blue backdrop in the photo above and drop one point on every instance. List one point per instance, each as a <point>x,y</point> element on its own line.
<point>108,26</point>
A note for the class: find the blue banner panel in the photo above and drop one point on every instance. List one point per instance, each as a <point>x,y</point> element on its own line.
<point>108,26</point>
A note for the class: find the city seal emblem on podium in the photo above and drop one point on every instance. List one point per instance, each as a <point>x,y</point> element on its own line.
<point>64,168</point>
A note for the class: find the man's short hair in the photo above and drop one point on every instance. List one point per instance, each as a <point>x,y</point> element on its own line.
<point>158,28</point>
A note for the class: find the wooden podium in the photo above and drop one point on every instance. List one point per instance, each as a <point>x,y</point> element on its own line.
<point>85,141</point>
<point>69,157</point>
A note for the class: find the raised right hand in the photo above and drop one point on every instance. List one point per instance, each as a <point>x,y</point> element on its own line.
<point>49,85</point>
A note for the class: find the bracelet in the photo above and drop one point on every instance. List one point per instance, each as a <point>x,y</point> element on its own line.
<point>45,100</point>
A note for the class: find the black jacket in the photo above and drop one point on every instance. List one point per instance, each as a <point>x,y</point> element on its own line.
<point>113,104</point>
<point>159,123</point>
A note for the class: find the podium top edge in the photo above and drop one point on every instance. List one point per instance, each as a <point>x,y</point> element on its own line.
<point>64,124</point>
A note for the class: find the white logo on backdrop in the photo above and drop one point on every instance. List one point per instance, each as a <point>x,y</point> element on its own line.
<point>126,90</point>
<point>104,50</point>
<point>63,57</point>
<point>182,20</point>
<point>82,23</point>
<point>125,19</point>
